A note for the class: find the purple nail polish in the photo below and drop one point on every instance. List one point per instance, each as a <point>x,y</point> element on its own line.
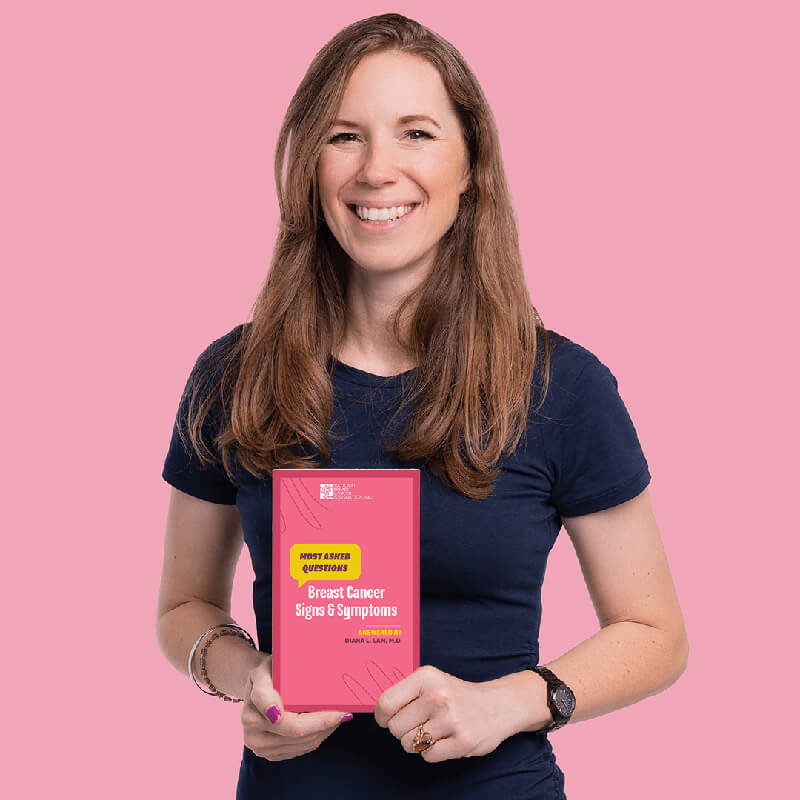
<point>346,718</point>
<point>273,712</point>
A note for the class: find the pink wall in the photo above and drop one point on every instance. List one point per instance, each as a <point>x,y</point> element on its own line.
<point>652,154</point>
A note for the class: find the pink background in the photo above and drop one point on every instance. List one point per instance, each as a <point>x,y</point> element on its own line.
<point>652,154</point>
<point>383,518</point>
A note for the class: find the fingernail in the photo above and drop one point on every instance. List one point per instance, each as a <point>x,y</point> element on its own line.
<point>273,712</point>
<point>346,718</point>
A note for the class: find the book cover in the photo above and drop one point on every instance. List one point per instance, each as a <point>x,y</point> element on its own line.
<point>345,585</point>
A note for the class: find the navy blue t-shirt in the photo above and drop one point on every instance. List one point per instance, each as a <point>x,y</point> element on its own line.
<point>482,566</point>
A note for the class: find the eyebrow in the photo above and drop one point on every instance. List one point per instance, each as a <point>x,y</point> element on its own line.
<point>402,120</point>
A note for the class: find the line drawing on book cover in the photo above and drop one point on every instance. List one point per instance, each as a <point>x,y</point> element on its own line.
<point>367,695</point>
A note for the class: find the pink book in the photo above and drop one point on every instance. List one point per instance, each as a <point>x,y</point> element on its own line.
<point>345,585</point>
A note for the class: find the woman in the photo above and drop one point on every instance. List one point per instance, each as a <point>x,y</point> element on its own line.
<point>407,338</point>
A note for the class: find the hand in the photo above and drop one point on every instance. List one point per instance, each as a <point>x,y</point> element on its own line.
<point>292,734</point>
<point>464,718</point>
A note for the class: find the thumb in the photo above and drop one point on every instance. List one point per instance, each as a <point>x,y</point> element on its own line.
<point>264,696</point>
<point>273,711</point>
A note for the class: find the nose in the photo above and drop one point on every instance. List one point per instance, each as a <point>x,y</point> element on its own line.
<point>378,166</point>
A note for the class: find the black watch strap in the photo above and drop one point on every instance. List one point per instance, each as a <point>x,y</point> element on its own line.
<point>560,699</point>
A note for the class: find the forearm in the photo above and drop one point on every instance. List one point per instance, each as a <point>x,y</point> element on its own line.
<point>619,665</point>
<point>229,659</point>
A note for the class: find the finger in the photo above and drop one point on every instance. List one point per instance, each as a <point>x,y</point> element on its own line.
<point>295,725</point>
<point>272,747</point>
<point>442,750</point>
<point>407,719</point>
<point>293,750</point>
<point>444,746</point>
<point>308,722</point>
<point>428,726</point>
<point>264,742</point>
<point>404,692</point>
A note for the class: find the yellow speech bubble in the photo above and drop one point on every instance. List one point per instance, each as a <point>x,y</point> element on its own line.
<point>324,562</point>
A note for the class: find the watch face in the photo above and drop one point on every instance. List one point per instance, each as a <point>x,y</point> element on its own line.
<point>564,700</point>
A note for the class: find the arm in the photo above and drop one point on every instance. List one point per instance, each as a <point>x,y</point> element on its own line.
<point>641,647</point>
<point>201,549</point>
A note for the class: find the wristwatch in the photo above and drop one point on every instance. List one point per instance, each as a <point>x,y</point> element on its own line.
<point>560,700</point>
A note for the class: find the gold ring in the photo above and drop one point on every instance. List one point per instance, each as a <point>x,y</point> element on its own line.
<point>422,741</point>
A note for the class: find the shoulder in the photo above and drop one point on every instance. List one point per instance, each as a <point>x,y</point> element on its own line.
<point>574,371</point>
<point>215,361</point>
<point>569,359</point>
<point>219,356</point>
<point>225,345</point>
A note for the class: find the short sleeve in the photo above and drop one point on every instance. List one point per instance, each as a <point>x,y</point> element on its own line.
<point>182,468</point>
<point>594,450</point>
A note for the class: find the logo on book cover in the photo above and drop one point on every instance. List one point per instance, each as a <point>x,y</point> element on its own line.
<point>340,491</point>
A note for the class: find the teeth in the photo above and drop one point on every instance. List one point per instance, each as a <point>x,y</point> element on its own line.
<point>382,214</point>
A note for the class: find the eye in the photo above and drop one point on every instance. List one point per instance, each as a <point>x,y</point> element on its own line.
<point>338,136</point>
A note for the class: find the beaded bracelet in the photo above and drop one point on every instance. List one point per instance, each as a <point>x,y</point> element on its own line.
<point>229,629</point>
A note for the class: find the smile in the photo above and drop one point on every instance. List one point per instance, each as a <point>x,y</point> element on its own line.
<point>380,225</point>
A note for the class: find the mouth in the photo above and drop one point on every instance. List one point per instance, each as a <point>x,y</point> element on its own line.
<point>381,226</point>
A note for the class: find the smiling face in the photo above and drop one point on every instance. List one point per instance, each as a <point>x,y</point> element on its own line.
<point>376,157</point>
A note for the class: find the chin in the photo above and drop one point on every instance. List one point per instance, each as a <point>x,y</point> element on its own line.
<point>378,267</point>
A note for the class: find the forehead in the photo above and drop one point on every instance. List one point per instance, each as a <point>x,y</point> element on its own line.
<point>391,84</point>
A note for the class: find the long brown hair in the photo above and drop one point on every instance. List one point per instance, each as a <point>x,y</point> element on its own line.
<point>473,332</point>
